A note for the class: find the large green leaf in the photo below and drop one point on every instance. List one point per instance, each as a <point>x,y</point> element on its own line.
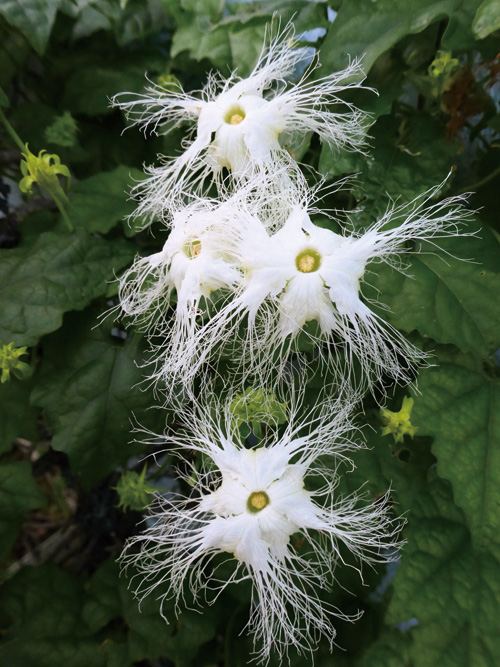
<point>149,636</point>
<point>101,201</point>
<point>236,40</point>
<point>408,155</point>
<point>88,90</point>
<point>34,18</point>
<point>451,591</point>
<point>18,493</point>
<point>459,406</point>
<point>89,387</point>
<point>446,298</point>
<point>41,280</point>
<point>487,18</point>
<point>203,43</point>
<point>390,649</point>
<point>368,29</point>
<point>44,605</point>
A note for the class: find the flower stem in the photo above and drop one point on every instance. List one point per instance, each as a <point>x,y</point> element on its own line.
<point>61,205</point>
<point>479,184</point>
<point>13,134</point>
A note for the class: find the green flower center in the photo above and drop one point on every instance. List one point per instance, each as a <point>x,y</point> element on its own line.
<point>192,248</point>
<point>257,501</point>
<point>234,116</point>
<point>308,261</point>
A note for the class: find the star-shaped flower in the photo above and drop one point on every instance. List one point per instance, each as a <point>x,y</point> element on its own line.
<point>251,504</point>
<point>237,123</point>
<point>304,273</point>
<point>197,259</point>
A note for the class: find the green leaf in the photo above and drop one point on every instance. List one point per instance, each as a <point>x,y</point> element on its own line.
<point>487,18</point>
<point>17,416</point>
<point>210,8</point>
<point>459,406</point>
<point>450,590</point>
<point>445,298</point>
<point>45,604</point>
<point>90,20</point>
<point>18,493</point>
<point>89,387</point>
<point>367,29</point>
<point>89,89</point>
<point>101,201</point>
<point>149,636</point>
<point>409,156</point>
<point>202,42</point>
<point>390,649</point>
<point>34,18</point>
<point>384,464</point>
<point>53,274</point>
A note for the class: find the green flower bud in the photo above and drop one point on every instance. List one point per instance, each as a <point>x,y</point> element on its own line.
<point>398,423</point>
<point>62,131</point>
<point>134,490</point>
<point>443,65</point>
<point>255,406</point>
<point>43,170</point>
<point>9,361</point>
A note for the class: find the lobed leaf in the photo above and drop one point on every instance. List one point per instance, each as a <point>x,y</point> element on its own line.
<point>89,385</point>
<point>367,29</point>
<point>444,297</point>
<point>459,406</point>
<point>50,275</point>
<point>34,18</point>
<point>44,604</point>
<point>99,202</point>
<point>451,591</point>
<point>487,18</point>
<point>149,635</point>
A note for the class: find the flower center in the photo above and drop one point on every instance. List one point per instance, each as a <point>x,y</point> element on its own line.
<point>192,248</point>
<point>234,116</point>
<point>308,261</point>
<point>257,501</point>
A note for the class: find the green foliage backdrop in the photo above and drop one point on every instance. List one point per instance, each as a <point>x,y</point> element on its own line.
<point>65,432</point>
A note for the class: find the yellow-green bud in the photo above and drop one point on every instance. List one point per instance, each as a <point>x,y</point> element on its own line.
<point>398,423</point>
<point>443,65</point>
<point>9,361</point>
<point>42,170</point>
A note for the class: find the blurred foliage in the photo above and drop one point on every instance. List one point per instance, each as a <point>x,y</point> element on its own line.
<point>64,431</point>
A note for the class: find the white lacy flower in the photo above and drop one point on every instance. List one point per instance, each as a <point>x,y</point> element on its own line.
<point>306,273</point>
<point>237,123</point>
<point>196,260</point>
<point>254,504</point>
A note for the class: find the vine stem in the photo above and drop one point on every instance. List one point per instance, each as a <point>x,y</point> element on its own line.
<point>13,134</point>
<point>479,184</point>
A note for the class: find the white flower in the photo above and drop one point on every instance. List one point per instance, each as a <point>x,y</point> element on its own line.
<point>306,273</point>
<point>237,123</point>
<point>196,260</point>
<point>254,504</point>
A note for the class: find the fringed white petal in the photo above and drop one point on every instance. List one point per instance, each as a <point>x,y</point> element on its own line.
<point>236,124</point>
<point>250,508</point>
